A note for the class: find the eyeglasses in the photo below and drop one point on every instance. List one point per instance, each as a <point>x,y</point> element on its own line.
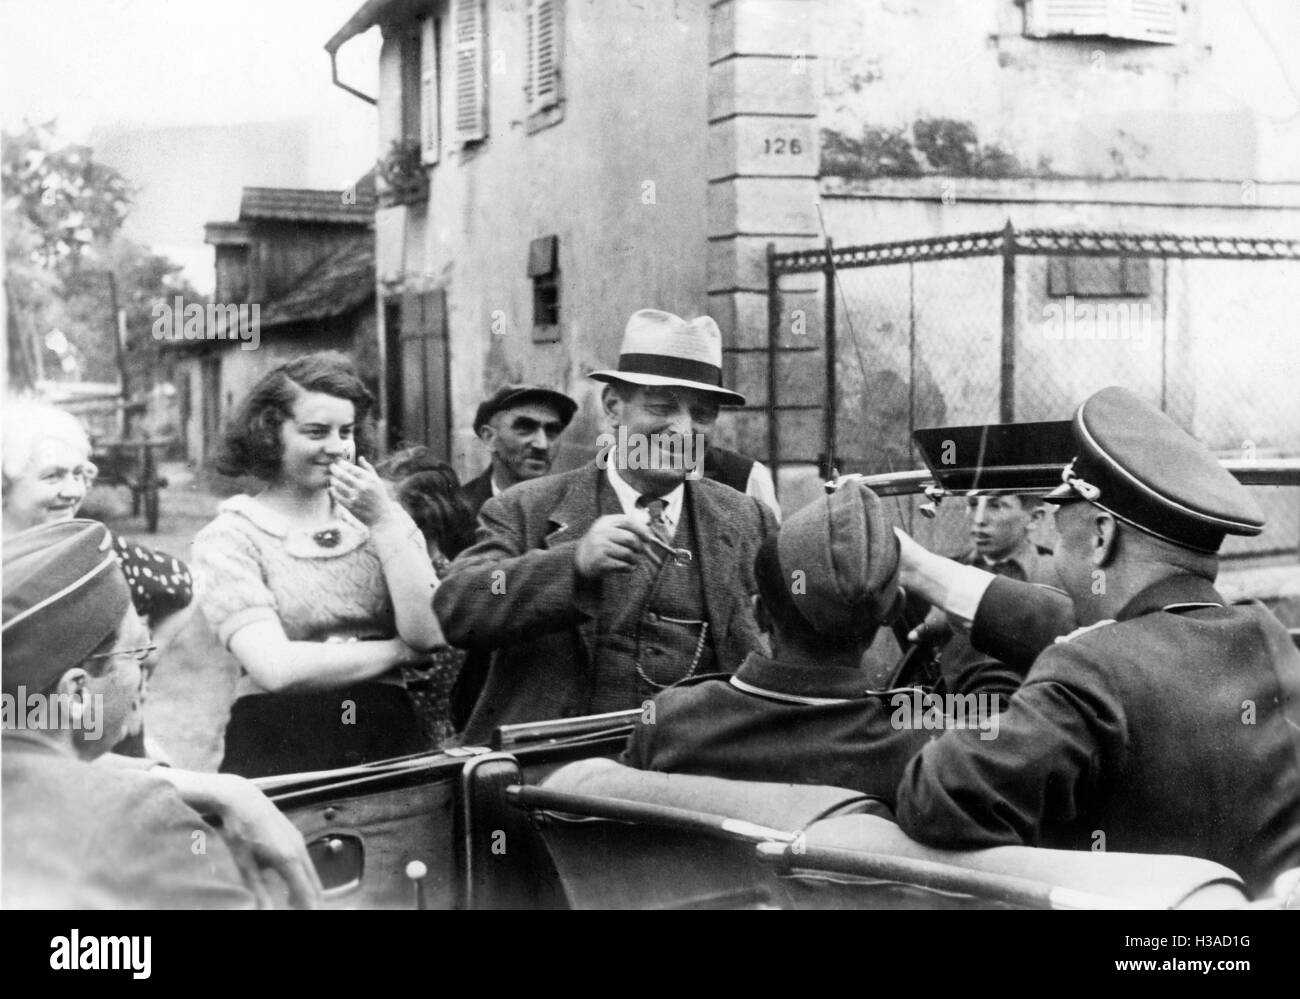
<point>141,654</point>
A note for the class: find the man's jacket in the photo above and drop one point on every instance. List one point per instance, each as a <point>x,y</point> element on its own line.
<point>517,592</point>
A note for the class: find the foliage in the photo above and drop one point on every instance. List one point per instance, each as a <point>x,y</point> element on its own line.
<point>402,171</point>
<point>931,145</point>
<point>62,216</point>
<point>70,199</point>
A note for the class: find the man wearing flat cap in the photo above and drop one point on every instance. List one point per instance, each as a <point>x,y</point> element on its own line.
<point>1167,721</point>
<point>596,588</point>
<point>104,836</point>
<point>805,714</point>
<point>520,425</point>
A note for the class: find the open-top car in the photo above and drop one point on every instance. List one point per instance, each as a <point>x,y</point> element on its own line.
<point>545,816</point>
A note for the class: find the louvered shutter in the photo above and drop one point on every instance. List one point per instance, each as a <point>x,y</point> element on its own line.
<point>1150,21</point>
<point>1046,18</point>
<point>428,92</point>
<point>471,85</point>
<point>1139,20</point>
<point>543,55</point>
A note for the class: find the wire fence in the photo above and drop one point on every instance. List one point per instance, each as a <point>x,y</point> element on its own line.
<point>1007,325</point>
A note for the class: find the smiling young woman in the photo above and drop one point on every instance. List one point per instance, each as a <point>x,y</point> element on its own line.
<point>320,585</point>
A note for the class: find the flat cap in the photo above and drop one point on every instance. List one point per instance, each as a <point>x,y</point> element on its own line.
<point>848,556</point>
<point>64,593</point>
<point>512,395</point>
<point>1134,462</point>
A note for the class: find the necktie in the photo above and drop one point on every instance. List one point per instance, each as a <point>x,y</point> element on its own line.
<point>655,506</point>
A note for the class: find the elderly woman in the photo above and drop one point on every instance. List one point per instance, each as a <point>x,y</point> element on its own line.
<point>47,472</point>
<point>320,584</point>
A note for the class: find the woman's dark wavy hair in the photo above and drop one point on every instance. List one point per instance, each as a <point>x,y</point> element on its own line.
<point>252,439</point>
<point>429,490</point>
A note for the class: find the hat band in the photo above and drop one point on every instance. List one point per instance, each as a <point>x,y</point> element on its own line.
<point>671,367</point>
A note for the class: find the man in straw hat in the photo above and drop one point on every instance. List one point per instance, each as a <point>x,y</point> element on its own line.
<point>1169,722</point>
<point>110,836</point>
<point>599,587</point>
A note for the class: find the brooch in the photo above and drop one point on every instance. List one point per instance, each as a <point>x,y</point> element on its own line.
<point>328,538</point>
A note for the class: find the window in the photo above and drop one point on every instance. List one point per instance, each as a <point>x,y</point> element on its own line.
<point>544,36</point>
<point>544,269</point>
<point>471,81</point>
<point>1136,20</point>
<point>428,91</point>
<point>1099,277</point>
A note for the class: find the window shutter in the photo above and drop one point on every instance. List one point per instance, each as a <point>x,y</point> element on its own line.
<point>471,86</point>
<point>543,87</point>
<point>428,92</point>
<point>1148,21</point>
<point>1138,20</point>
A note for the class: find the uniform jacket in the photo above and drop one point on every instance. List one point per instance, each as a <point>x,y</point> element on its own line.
<point>1175,729</point>
<point>93,836</point>
<point>517,592</point>
<point>778,722</point>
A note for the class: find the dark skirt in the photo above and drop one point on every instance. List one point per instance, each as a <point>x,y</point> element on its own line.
<point>288,733</point>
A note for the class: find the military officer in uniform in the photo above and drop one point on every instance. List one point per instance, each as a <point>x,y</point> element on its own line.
<point>1167,721</point>
<point>118,833</point>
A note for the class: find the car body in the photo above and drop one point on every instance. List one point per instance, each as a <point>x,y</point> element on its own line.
<point>544,818</point>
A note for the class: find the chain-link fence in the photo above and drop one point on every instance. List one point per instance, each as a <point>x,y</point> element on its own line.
<point>1003,326</point>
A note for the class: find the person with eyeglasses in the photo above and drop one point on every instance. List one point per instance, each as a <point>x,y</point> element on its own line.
<point>47,475</point>
<point>83,829</point>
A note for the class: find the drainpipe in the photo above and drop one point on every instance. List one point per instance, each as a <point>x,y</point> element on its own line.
<point>334,76</point>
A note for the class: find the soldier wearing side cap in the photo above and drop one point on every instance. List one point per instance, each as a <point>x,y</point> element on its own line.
<point>1167,721</point>
<point>114,834</point>
<point>805,714</point>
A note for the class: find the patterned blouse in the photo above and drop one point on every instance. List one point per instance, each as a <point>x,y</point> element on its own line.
<point>253,564</point>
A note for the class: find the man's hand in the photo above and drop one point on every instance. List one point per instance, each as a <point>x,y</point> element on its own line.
<point>611,544</point>
<point>936,629</point>
<point>262,839</point>
<point>259,836</point>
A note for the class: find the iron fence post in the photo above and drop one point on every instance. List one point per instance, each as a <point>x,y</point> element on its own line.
<point>830,346</point>
<point>773,344</point>
<point>1007,407</point>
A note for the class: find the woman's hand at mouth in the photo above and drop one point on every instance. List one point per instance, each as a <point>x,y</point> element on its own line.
<point>359,489</point>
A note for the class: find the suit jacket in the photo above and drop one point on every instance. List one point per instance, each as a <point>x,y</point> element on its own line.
<point>1174,729</point>
<point>516,591</point>
<point>98,836</point>
<point>477,491</point>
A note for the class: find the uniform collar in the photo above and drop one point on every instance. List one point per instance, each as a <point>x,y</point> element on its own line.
<point>784,681</point>
<point>31,741</point>
<point>627,497</point>
<point>1181,591</point>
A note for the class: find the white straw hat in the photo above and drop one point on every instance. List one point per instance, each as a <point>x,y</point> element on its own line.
<point>660,348</point>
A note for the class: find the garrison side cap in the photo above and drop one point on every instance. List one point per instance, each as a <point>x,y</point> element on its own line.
<point>1011,457</point>
<point>1133,461</point>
